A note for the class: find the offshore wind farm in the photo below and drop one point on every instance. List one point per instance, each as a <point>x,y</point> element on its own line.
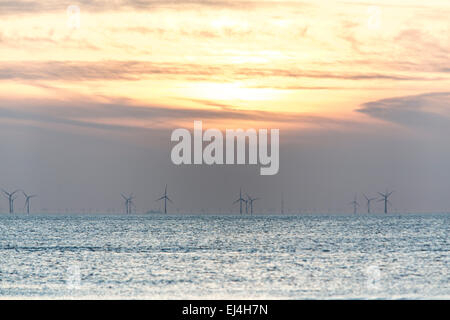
<point>244,201</point>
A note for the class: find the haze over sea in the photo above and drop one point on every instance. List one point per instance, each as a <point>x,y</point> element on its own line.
<point>225,257</point>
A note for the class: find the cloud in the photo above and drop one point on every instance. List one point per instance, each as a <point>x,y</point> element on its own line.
<point>29,7</point>
<point>428,110</point>
<point>46,118</point>
<point>100,70</point>
<point>105,116</point>
<point>138,70</point>
<point>413,41</point>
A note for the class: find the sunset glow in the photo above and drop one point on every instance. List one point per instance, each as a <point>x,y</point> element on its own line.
<point>323,59</point>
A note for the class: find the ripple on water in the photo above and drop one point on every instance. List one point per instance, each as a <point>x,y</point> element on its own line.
<point>402,256</point>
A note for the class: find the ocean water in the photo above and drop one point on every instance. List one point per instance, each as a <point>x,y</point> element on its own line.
<point>225,257</point>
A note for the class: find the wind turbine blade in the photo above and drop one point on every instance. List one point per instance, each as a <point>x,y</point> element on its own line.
<point>160,198</point>
<point>366,197</point>
<point>390,193</point>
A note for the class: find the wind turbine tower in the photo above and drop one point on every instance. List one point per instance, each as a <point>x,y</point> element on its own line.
<point>165,198</point>
<point>369,200</point>
<point>11,197</point>
<point>27,200</point>
<point>240,200</point>
<point>355,205</point>
<point>128,203</point>
<point>250,201</point>
<point>385,197</point>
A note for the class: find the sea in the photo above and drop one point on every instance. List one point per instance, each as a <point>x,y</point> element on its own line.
<point>346,256</point>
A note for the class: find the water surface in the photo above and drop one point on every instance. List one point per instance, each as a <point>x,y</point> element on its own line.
<point>226,257</point>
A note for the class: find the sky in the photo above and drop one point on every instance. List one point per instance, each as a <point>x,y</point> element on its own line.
<point>90,92</point>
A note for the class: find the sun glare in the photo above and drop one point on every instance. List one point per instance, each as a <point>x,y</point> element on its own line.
<point>230,92</point>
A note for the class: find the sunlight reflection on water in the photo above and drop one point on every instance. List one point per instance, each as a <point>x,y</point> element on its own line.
<point>160,257</point>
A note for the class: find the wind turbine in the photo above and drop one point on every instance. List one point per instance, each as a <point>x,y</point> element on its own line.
<point>27,201</point>
<point>11,199</point>
<point>250,199</point>
<point>355,204</point>
<point>165,198</point>
<point>240,200</point>
<point>128,203</point>
<point>385,197</point>
<point>369,200</point>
